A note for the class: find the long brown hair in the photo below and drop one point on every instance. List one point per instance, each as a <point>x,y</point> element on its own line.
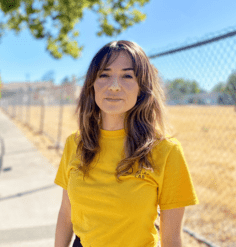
<point>144,124</point>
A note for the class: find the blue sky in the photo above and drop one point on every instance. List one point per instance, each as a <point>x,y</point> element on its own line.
<point>169,23</point>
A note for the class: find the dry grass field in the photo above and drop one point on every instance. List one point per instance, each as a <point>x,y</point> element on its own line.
<point>208,137</point>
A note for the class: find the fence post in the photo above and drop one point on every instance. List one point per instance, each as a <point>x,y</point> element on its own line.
<point>42,116</point>
<point>21,106</point>
<point>28,110</point>
<point>12,108</point>
<point>60,120</point>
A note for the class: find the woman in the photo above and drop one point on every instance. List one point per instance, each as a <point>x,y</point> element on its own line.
<point>131,162</point>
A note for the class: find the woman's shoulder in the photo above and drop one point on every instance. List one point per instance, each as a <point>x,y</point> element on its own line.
<point>166,143</point>
<point>73,138</point>
<point>172,140</point>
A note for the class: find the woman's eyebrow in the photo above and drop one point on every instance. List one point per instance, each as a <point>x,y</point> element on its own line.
<point>125,69</point>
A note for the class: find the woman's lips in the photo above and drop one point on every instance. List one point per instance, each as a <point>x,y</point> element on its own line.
<point>113,99</point>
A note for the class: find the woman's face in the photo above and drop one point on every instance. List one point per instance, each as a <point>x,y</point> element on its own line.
<point>116,81</point>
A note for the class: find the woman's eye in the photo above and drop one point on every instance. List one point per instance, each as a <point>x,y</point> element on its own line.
<point>105,75</point>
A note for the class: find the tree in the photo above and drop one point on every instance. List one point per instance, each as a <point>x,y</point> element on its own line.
<point>203,91</point>
<point>64,14</point>
<point>194,87</point>
<point>219,87</point>
<point>181,86</point>
<point>49,76</point>
<point>65,80</point>
<point>230,88</point>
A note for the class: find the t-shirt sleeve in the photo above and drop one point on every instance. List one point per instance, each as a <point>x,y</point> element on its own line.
<point>61,176</point>
<point>177,187</point>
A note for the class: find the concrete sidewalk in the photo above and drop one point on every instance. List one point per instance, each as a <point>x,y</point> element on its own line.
<point>29,199</point>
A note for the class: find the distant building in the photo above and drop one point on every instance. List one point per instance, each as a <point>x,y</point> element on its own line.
<point>25,86</point>
<point>41,90</point>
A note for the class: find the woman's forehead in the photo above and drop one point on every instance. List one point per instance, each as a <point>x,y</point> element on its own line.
<point>114,56</point>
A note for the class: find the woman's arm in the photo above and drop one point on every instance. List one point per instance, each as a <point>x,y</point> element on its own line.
<point>171,224</point>
<point>64,230</point>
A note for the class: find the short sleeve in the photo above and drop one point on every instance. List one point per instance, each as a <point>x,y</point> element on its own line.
<point>177,187</point>
<point>61,176</point>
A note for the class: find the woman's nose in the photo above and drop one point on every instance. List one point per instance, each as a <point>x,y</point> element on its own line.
<point>114,82</point>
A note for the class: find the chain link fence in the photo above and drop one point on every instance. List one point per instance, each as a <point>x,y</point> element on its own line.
<point>41,107</point>
<point>204,122</point>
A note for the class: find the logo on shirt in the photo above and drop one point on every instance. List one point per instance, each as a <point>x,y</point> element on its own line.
<point>141,174</point>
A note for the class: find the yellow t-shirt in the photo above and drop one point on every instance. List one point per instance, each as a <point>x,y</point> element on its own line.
<point>107,213</point>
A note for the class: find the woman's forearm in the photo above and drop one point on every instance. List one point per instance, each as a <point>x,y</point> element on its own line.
<point>64,230</point>
<point>177,243</point>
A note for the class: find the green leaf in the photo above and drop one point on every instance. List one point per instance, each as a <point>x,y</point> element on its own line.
<point>138,16</point>
<point>64,14</point>
<point>76,34</point>
<point>9,5</point>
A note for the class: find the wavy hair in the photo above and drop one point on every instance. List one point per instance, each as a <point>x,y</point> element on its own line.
<point>145,125</point>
